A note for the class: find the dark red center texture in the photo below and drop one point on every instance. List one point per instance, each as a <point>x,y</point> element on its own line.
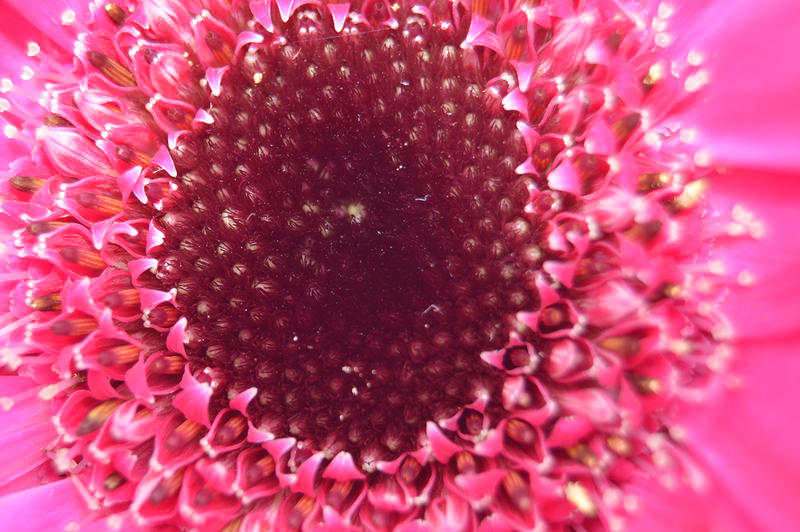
<point>350,236</point>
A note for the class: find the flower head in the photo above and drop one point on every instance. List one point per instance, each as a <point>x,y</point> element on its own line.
<point>338,266</point>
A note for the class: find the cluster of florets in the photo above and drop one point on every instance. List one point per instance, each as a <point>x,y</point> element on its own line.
<point>170,183</point>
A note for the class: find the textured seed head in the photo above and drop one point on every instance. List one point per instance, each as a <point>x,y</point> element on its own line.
<point>367,260</point>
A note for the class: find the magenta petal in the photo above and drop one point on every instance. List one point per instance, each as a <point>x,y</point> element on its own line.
<point>750,460</point>
<point>139,266</point>
<point>136,379</point>
<point>26,428</point>
<point>751,55</point>
<point>176,336</point>
<point>73,154</point>
<point>339,13</point>
<point>150,298</point>
<point>516,101</point>
<point>114,522</point>
<point>752,456</point>
<point>155,237</point>
<point>260,10</point>
<point>255,435</point>
<point>132,180</point>
<point>306,473</point>
<point>441,446</point>
<point>14,32</point>
<point>564,177</point>
<point>479,485</point>
<point>22,511</point>
<point>343,468</point>
<point>50,19</point>
<point>241,400</point>
<point>766,258</point>
<point>163,159</point>
<point>214,77</point>
<point>193,399</point>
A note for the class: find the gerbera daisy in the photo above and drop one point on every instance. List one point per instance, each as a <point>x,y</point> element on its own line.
<point>378,266</point>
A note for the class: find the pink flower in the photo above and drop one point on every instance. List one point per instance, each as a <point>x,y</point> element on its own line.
<point>397,266</point>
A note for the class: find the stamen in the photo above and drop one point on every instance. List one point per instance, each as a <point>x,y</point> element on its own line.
<point>577,495</point>
<point>124,298</point>
<point>179,118</point>
<point>410,470</point>
<point>553,317</point>
<point>183,434</point>
<point>101,203</point>
<point>56,121</point>
<point>112,70</point>
<point>163,316</point>
<point>27,184</point>
<point>230,430</point>
<point>625,126</point>
<point>88,258</point>
<point>259,470</point>
<point>465,463</point>
<point>622,345</point>
<point>113,481</point>
<point>582,454</point>
<point>73,326</point>
<point>338,493</point>
<point>619,445</point>
<point>646,231</point>
<point>471,422</point>
<point>115,13</point>
<point>233,526</point>
<point>134,157</point>
<point>647,385</point>
<point>299,512</point>
<point>520,432</point>
<point>516,357</point>
<point>166,489</point>
<point>692,194</point>
<point>517,491</point>
<point>168,365</point>
<point>97,416</point>
<point>222,51</point>
<point>50,302</point>
<point>516,43</point>
<point>648,182</point>
<point>480,7</point>
<point>204,496</point>
<point>119,355</point>
<point>41,228</point>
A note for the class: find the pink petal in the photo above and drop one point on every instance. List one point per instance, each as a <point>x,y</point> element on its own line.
<point>47,18</point>
<point>753,455</point>
<point>564,177</point>
<point>193,399</point>
<point>751,117</point>
<point>25,427</point>
<point>746,442</point>
<point>441,446</point>
<point>163,159</point>
<point>23,511</point>
<point>339,14</point>
<point>343,468</point>
<point>243,399</point>
<point>767,307</point>
<point>306,475</point>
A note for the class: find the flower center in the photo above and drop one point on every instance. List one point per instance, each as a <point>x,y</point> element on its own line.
<point>349,236</point>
